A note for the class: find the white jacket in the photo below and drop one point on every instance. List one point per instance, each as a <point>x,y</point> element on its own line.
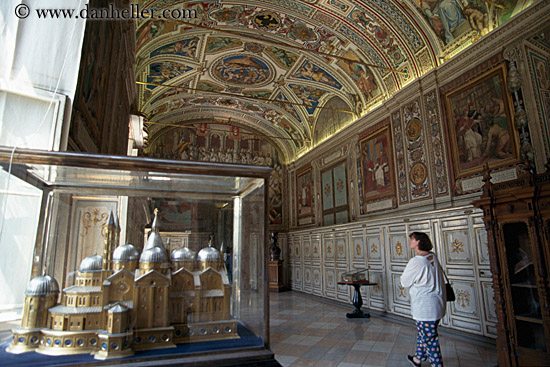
<point>424,277</point>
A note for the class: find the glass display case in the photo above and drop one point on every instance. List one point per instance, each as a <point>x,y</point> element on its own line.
<point>514,213</point>
<point>141,259</point>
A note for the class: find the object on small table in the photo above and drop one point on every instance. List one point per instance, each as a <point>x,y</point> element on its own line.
<point>355,275</point>
<point>357,299</point>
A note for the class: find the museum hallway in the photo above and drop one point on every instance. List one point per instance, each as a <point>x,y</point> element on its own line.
<point>312,331</point>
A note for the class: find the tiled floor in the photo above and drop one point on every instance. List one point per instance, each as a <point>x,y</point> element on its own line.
<point>311,331</point>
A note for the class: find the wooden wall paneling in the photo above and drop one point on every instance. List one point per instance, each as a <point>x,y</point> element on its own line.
<point>298,282</point>
<point>329,265</point>
<point>489,311</point>
<point>329,252</point>
<point>290,263</point>
<point>317,268</point>
<point>343,292</point>
<point>306,246</point>
<point>342,259</point>
<point>375,255</point>
<point>398,245</point>
<point>400,301</point>
<point>458,236</point>
<point>377,293</point>
<point>316,248</point>
<point>398,242</point>
<point>321,256</point>
<point>307,274</point>
<point>457,246</point>
<point>298,264</point>
<point>358,249</point>
<point>483,260</point>
<point>465,310</point>
<point>340,240</point>
<point>484,277</point>
<point>375,248</point>
<point>358,257</point>
<point>317,279</point>
<point>285,256</point>
<point>330,282</point>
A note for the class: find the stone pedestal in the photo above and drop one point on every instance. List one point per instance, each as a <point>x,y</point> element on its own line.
<point>275,268</point>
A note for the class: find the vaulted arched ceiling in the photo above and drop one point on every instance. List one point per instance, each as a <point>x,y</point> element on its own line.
<point>272,67</point>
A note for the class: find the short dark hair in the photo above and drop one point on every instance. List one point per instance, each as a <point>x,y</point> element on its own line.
<point>424,243</point>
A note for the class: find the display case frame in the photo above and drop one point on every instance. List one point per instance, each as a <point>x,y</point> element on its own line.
<point>25,163</point>
<point>514,213</point>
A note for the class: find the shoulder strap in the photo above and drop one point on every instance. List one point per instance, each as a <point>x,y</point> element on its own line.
<point>445,275</point>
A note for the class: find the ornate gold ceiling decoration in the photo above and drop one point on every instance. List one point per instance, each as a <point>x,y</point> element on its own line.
<point>271,67</point>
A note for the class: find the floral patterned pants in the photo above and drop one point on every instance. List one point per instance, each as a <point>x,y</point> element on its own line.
<point>427,343</point>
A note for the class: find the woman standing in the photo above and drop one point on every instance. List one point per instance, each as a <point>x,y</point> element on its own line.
<point>424,276</point>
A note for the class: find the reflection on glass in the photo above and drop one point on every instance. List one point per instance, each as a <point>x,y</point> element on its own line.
<point>524,293</point>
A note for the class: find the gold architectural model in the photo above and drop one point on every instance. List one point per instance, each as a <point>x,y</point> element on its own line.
<point>122,301</point>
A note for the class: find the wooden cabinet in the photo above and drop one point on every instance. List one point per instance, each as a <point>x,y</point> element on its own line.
<point>517,218</point>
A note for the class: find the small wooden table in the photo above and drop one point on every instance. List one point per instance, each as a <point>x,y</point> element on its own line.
<point>357,299</point>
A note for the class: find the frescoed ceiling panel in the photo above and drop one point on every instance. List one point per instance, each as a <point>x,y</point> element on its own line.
<point>273,66</point>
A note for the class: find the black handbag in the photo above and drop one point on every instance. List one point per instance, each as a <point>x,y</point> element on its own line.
<point>449,289</point>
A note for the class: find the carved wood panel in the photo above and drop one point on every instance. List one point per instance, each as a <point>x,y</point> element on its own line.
<point>330,283</point>
<point>399,248</point>
<point>374,248</point>
<point>456,244</point>
<point>329,251</point>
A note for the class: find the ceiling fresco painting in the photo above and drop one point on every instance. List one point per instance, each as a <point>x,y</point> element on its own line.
<point>275,68</point>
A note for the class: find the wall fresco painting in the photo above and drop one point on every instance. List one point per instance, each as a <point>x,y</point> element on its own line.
<point>361,75</point>
<point>376,164</point>
<point>283,58</point>
<point>309,71</point>
<point>479,121</point>
<point>510,8</point>
<point>186,47</point>
<point>451,19</point>
<point>152,29</point>
<point>217,44</point>
<point>541,72</point>
<point>304,196</point>
<point>160,72</point>
<point>242,69</point>
<point>308,95</point>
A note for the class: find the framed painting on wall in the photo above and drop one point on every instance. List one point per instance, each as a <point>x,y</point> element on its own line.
<point>480,124</point>
<point>377,178</point>
<point>304,196</point>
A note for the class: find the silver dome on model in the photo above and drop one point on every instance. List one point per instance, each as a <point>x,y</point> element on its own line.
<point>125,253</point>
<point>154,255</point>
<point>182,254</point>
<point>41,286</point>
<point>91,264</point>
<point>209,254</point>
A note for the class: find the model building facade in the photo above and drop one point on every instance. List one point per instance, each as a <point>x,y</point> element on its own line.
<point>125,301</point>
